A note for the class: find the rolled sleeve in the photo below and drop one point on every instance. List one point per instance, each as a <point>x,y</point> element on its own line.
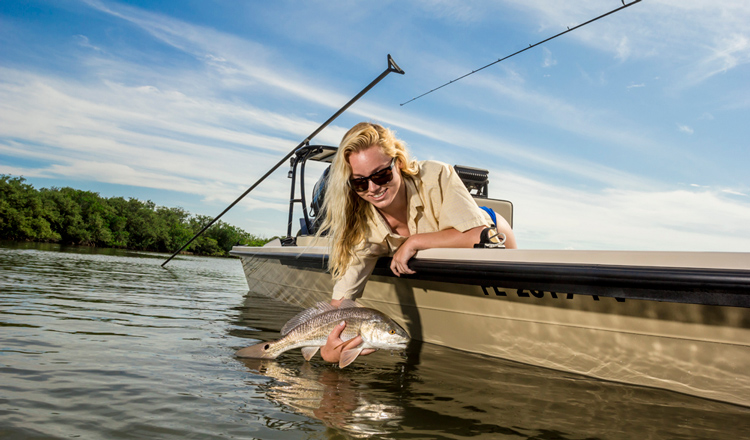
<point>353,282</point>
<point>452,204</point>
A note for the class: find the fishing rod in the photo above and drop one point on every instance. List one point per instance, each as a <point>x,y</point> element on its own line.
<point>392,67</point>
<point>624,5</point>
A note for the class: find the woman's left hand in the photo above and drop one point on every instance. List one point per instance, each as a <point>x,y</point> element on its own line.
<point>400,260</point>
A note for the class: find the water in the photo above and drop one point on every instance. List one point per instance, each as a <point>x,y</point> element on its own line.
<point>104,344</point>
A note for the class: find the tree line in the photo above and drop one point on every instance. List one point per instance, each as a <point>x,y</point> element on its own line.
<point>72,216</point>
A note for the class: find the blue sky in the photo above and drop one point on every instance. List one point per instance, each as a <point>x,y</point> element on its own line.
<point>629,133</point>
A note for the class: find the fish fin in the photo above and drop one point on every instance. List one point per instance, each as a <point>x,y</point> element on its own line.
<point>257,351</point>
<point>348,303</point>
<point>306,315</point>
<point>348,356</point>
<point>309,352</point>
<point>318,309</point>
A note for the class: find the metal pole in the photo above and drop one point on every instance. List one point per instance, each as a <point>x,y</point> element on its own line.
<point>392,67</point>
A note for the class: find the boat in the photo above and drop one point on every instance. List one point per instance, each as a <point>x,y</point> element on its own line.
<point>672,320</point>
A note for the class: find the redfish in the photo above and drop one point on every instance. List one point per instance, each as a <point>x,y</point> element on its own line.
<point>309,330</point>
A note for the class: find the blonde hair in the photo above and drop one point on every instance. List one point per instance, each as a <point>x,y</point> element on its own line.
<point>346,213</point>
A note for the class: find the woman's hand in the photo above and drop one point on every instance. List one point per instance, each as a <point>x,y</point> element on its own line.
<point>400,260</point>
<point>331,352</point>
<point>447,238</point>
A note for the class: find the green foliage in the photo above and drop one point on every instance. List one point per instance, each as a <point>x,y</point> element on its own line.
<point>21,212</point>
<point>71,216</point>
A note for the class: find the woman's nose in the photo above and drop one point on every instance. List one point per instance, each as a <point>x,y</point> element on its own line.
<point>372,186</point>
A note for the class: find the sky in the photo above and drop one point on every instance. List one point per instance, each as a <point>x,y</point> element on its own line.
<point>630,133</point>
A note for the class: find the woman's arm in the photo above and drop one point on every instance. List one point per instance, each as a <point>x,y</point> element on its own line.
<point>504,227</point>
<point>448,238</point>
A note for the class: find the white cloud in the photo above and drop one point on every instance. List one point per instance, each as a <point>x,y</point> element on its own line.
<point>685,129</point>
<point>220,45</point>
<point>712,36</point>
<point>549,61</point>
<point>733,192</point>
<point>149,130</point>
<point>623,50</point>
<point>549,216</point>
<point>139,136</point>
<point>237,61</point>
<point>462,12</point>
<point>83,41</point>
<point>726,52</point>
<point>599,126</point>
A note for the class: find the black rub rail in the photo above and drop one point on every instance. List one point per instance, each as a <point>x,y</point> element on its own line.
<point>721,287</point>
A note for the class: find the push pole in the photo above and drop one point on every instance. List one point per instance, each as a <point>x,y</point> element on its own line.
<point>392,67</point>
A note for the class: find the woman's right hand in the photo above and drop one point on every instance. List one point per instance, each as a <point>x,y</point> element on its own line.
<point>331,352</point>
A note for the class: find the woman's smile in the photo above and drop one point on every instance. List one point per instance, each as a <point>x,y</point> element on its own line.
<point>380,194</point>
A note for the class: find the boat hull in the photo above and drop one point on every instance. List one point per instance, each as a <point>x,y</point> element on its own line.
<point>664,342</point>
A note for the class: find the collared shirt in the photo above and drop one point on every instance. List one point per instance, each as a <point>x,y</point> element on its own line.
<point>437,200</point>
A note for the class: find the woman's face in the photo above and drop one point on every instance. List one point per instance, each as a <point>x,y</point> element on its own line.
<point>367,162</point>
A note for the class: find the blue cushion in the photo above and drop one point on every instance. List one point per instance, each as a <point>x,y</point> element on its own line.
<point>491,213</point>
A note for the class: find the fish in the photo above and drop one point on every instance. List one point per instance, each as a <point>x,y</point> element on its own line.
<point>309,330</point>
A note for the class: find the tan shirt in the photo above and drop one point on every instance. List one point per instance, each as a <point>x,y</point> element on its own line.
<point>437,201</point>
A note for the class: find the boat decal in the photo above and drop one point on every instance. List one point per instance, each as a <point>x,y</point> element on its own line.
<point>527,293</point>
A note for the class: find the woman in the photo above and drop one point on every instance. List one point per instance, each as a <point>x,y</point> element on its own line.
<point>380,202</point>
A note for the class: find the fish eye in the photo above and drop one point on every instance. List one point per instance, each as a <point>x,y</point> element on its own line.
<point>392,331</point>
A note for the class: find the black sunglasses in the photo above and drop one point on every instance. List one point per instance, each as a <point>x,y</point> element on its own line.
<point>379,178</point>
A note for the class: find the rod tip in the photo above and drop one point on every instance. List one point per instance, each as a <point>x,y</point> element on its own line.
<point>393,67</point>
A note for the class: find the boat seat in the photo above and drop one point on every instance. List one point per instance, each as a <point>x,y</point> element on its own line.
<point>501,207</point>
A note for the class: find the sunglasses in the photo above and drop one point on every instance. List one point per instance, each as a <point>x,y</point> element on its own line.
<point>379,178</point>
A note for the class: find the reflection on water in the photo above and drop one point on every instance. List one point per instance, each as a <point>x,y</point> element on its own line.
<point>449,395</point>
<point>107,344</point>
<point>329,395</point>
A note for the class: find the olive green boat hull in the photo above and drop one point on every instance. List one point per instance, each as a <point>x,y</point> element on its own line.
<point>690,340</point>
